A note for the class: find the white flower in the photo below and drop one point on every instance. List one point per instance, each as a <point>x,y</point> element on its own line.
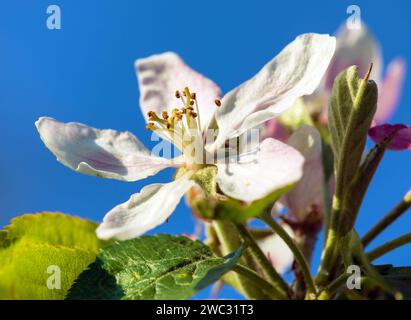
<point>295,72</point>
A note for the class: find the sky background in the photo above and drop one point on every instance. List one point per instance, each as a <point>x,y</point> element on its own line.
<point>84,72</point>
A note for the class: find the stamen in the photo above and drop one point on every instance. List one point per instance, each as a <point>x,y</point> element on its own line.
<point>164,115</point>
<point>217,102</point>
<point>187,94</point>
<point>152,116</point>
<point>176,124</point>
<point>150,126</point>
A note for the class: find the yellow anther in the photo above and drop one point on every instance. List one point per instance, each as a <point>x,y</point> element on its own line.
<point>150,126</point>
<point>152,116</point>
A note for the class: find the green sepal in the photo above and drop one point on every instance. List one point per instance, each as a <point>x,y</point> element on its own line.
<point>224,208</point>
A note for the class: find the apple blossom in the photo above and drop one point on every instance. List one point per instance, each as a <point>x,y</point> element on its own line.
<point>295,72</point>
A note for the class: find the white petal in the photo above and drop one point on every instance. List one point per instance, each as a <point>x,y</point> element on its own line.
<point>308,190</point>
<point>277,251</point>
<point>253,176</point>
<point>159,76</point>
<point>295,72</point>
<point>100,153</point>
<point>144,211</point>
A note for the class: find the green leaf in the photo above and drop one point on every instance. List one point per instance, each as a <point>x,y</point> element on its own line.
<point>95,283</point>
<point>149,267</point>
<point>360,183</point>
<point>353,105</point>
<point>218,271</point>
<point>34,242</point>
<point>239,212</point>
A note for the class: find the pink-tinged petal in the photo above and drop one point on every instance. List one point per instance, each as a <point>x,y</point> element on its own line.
<point>354,47</point>
<point>101,153</point>
<point>144,211</point>
<point>293,73</point>
<point>277,251</point>
<point>401,140</point>
<point>390,90</point>
<point>159,76</point>
<point>308,190</point>
<point>274,165</point>
<point>274,129</point>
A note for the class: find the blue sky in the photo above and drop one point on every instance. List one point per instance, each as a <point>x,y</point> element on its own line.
<point>84,72</point>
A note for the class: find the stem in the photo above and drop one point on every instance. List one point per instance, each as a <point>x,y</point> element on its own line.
<point>305,236</point>
<point>230,241</point>
<point>260,282</point>
<point>330,253</point>
<point>329,290</point>
<point>388,219</point>
<point>389,246</point>
<point>299,257</point>
<point>263,262</point>
<point>327,206</point>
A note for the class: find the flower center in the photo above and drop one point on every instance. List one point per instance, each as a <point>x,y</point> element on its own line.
<point>183,125</point>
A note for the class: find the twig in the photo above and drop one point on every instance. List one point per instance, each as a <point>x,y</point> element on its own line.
<point>388,219</point>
